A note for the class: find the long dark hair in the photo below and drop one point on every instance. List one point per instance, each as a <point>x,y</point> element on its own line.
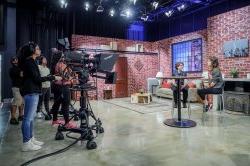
<point>26,51</point>
<point>215,62</point>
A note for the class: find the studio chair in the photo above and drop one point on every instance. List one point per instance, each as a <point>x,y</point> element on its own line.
<point>219,100</point>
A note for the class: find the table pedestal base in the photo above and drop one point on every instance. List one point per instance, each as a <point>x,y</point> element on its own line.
<point>184,123</point>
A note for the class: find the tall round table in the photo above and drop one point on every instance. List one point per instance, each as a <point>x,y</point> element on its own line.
<point>179,122</point>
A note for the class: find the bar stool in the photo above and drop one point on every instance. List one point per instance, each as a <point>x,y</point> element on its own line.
<point>221,100</point>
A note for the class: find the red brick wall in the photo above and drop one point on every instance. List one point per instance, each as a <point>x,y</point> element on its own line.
<point>228,26</point>
<point>140,67</point>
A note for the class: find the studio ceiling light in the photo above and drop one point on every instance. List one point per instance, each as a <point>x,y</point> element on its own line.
<point>100,9</point>
<point>86,6</point>
<point>134,1</point>
<point>144,17</point>
<point>112,12</point>
<point>63,3</point>
<point>181,7</point>
<point>128,13</point>
<point>169,13</point>
<point>155,4</point>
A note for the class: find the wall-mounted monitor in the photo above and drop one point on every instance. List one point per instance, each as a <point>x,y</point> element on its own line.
<point>236,48</point>
<point>190,53</point>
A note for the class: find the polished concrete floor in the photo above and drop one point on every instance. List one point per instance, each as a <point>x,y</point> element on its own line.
<point>133,139</point>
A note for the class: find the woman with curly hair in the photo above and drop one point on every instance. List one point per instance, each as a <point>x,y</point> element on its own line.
<point>215,83</point>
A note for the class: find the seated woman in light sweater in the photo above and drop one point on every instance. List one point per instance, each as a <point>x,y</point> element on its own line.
<point>44,97</point>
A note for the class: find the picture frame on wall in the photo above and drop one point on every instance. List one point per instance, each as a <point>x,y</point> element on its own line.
<point>236,48</point>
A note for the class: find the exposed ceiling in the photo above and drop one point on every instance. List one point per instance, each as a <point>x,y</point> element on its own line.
<point>145,10</point>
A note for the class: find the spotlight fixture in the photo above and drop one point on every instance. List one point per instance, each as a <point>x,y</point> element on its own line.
<point>128,13</point>
<point>181,7</point>
<point>144,17</point>
<point>169,13</point>
<point>112,12</point>
<point>134,1</point>
<point>99,9</point>
<point>63,3</point>
<point>86,6</point>
<point>155,4</point>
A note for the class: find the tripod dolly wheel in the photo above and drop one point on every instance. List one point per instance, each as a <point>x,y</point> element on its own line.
<point>76,118</point>
<point>59,136</point>
<point>91,145</point>
<point>101,130</point>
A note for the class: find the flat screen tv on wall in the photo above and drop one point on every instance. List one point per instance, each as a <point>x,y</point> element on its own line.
<point>190,53</point>
<point>236,48</point>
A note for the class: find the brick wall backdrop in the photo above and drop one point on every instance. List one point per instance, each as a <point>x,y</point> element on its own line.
<point>166,52</point>
<point>140,67</point>
<point>228,26</point>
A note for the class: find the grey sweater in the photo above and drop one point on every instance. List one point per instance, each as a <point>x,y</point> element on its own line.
<point>217,78</point>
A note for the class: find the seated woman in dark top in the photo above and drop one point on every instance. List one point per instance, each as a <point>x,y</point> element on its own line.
<point>184,88</point>
<point>215,83</point>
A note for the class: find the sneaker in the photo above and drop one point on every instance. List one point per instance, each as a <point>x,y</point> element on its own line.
<point>29,146</point>
<point>20,118</point>
<point>48,117</point>
<point>39,115</point>
<point>35,142</point>
<point>184,105</point>
<point>14,121</point>
<point>56,122</point>
<point>70,125</point>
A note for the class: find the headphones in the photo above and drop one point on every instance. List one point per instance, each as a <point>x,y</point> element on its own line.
<point>32,47</point>
<point>12,59</point>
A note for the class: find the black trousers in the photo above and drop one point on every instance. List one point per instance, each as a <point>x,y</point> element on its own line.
<point>61,97</point>
<point>44,98</point>
<point>185,94</point>
<point>203,92</point>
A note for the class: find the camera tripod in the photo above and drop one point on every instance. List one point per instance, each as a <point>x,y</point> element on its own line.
<point>85,112</point>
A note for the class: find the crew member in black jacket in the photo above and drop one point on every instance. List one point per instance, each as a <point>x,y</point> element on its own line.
<point>16,79</point>
<point>32,83</point>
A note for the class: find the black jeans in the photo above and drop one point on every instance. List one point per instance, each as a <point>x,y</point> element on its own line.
<point>185,94</point>
<point>44,98</point>
<point>203,92</point>
<point>61,97</point>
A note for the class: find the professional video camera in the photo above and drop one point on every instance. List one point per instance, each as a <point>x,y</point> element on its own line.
<point>85,66</point>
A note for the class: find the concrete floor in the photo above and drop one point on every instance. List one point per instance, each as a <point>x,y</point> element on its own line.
<point>133,139</point>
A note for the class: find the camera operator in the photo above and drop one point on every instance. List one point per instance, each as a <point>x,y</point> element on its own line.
<point>62,93</point>
<point>31,89</point>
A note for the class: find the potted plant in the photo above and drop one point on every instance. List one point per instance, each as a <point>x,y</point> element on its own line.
<point>234,72</point>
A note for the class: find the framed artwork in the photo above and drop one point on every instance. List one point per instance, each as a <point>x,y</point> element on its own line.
<point>236,48</point>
